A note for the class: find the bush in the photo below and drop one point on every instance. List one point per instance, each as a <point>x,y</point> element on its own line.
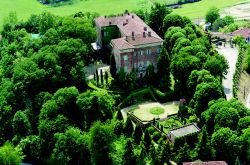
<point>151,130</point>
<point>156,136</point>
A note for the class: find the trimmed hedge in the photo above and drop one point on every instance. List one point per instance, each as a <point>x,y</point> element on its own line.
<point>238,70</point>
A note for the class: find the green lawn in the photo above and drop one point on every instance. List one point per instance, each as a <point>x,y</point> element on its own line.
<point>24,8</point>
<point>198,9</point>
<point>170,123</point>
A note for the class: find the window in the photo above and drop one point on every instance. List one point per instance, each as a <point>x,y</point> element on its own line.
<point>125,69</point>
<point>125,58</point>
<point>149,52</point>
<point>141,52</point>
<point>135,65</point>
<point>135,53</point>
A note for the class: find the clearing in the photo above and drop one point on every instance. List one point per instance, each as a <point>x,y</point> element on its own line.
<point>239,12</point>
<point>198,10</point>
<point>144,111</point>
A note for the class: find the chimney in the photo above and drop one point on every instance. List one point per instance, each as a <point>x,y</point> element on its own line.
<point>133,35</point>
<point>144,34</point>
<point>128,13</point>
<point>127,20</point>
<point>105,16</point>
<point>149,33</point>
<point>110,22</point>
<point>145,28</point>
<point>126,38</point>
<point>132,16</point>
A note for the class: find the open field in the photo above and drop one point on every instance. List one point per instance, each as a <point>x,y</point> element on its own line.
<point>199,9</point>
<point>24,8</point>
<point>240,11</point>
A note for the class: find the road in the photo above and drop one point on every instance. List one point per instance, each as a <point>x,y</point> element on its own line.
<point>231,55</point>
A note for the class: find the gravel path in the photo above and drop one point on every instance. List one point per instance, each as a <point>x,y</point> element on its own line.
<point>231,55</point>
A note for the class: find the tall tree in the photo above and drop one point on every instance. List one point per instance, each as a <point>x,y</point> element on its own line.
<point>138,134</point>
<point>113,69</point>
<point>128,127</point>
<point>163,70</point>
<point>212,14</point>
<point>10,155</point>
<point>156,16</point>
<point>129,156</point>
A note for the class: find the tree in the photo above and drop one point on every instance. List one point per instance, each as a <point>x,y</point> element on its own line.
<point>205,92</point>
<point>226,117</point>
<point>21,125</point>
<point>243,123</point>
<point>106,76</point>
<point>237,161</point>
<point>128,128</point>
<point>113,69</point>
<point>31,147</point>
<point>101,73</point>
<point>156,17</point>
<point>212,15</point>
<point>46,21</point>
<point>10,155</point>
<point>217,65</point>
<point>147,140</point>
<point>138,134</point>
<point>204,149</point>
<point>227,144</point>
<point>172,20</point>
<point>183,154</point>
<point>163,70</point>
<point>150,74</point>
<point>97,76</point>
<point>71,147</point>
<point>101,136</point>
<point>129,156</point>
<point>119,115</point>
<point>95,105</point>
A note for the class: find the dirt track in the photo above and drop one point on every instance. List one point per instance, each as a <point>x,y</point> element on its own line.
<point>239,12</point>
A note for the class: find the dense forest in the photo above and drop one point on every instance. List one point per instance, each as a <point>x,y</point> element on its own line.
<point>50,114</point>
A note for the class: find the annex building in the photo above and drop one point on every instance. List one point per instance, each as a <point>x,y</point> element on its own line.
<point>133,43</point>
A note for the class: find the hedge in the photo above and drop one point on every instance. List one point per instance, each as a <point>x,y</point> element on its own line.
<point>238,70</point>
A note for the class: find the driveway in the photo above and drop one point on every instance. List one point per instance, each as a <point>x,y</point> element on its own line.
<point>231,55</point>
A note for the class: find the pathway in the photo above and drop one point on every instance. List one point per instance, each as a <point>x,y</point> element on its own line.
<point>231,55</point>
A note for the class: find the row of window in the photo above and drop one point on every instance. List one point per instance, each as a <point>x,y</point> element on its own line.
<point>141,64</point>
<point>140,53</point>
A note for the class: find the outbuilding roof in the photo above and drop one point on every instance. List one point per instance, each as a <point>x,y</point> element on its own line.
<point>245,32</point>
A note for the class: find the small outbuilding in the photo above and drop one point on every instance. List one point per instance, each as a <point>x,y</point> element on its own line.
<point>183,131</point>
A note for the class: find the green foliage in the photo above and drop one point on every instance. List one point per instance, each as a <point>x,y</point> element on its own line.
<point>95,105</point>
<point>128,128</point>
<point>156,17</point>
<point>31,147</point>
<point>147,140</point>
<point>157,110</point>
<point>129,156</point>
<point>71,147</point>
<point>212,15</point>
<point>21,125</point>
<point>243,123</point>
<point>138,134</point>
<point>101,136</point>
<point>227,144</point>
<point>10,155</point>
<point>172,20</point>
<point>226,117</point>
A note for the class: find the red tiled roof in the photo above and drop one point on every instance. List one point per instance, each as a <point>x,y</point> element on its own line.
<point>128,23</point>
<point>206,163</point>
<point>245,32</point>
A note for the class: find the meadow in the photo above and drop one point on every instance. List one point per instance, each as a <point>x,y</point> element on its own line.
<point>24,8</point>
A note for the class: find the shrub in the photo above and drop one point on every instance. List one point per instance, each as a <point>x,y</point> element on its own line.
<point>156,136</point>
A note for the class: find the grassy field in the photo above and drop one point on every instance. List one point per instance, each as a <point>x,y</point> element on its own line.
<point>198,9</point>
<point>24,8</point>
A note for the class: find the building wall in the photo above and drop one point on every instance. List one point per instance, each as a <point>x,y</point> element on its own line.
<point>138,58</point>
<point>106,34</point>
